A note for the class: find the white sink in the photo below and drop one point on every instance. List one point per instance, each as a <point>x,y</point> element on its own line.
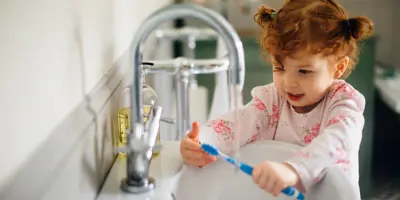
<point>219,181</point>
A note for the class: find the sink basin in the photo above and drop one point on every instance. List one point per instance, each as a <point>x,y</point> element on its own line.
<point>220,181</point>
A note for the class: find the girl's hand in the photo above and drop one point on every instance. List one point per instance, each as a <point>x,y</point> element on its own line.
<point>273,177</point>
<point>191,151</point>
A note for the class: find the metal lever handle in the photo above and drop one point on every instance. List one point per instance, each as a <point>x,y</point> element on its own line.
<point>168,120</point>
<point>150,118</point>
<point>185,33</point>
<point>191,66</point>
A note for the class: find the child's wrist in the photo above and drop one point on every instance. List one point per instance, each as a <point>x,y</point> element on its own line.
<point>298,184</point>
<point>291,168</point>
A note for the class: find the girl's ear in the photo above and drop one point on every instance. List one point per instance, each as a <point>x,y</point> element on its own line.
<point>341,67</point>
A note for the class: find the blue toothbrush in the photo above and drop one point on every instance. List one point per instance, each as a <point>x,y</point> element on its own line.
<point>290,191</point>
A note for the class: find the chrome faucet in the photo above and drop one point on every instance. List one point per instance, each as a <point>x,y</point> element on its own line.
<point>185,70</point>
<point>182,69</point>
<point>140,142</point>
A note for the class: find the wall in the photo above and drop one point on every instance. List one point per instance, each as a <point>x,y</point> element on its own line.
<point>396,25</point>
<point>59,90</point>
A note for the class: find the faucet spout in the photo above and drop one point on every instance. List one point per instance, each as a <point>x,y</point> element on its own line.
<point>138,158</point>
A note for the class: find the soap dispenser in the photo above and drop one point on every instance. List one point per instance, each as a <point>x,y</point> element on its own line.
<point>149,96</point>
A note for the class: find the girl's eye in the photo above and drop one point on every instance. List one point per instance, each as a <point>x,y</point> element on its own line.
<point>303,71</point>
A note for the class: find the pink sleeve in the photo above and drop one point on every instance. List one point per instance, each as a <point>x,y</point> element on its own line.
<point>223,132</point>
<point>339,138</point>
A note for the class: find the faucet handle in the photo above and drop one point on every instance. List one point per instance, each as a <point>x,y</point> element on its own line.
<point>136,145</point>
<point>154,125</point>
<point>150,117</point>
<point>168,120</point>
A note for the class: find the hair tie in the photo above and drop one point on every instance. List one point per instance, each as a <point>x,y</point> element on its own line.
<point>347,28</point>
<point>353,26</point>
<point>348,23</point>
<point>273,15</point>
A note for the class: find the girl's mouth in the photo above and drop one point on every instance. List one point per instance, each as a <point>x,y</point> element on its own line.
<point>295,97</point>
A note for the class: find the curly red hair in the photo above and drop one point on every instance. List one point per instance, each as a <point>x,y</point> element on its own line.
<point>319,26</point>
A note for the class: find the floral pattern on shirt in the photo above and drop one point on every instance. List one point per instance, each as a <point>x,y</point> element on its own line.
<point>257,103</point>
<point>253,138</point>
<point>341,158</point>
<point>344,90</point>
<point>312,134</point>
<point>274,117</point>
<point>223,130</point>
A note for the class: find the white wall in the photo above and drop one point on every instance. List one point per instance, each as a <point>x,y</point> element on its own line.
<point>52,53</point>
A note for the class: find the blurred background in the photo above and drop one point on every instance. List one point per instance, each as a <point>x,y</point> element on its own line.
<point>62,61</point>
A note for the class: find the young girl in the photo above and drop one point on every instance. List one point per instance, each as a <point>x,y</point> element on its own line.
<point>312,47</point>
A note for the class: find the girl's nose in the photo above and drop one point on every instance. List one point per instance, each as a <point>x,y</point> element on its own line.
<point>290,82</point>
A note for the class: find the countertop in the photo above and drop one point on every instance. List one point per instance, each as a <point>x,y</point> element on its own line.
<point>164,168</point>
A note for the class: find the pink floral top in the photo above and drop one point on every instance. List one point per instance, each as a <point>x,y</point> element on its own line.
<point>330,134</point>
